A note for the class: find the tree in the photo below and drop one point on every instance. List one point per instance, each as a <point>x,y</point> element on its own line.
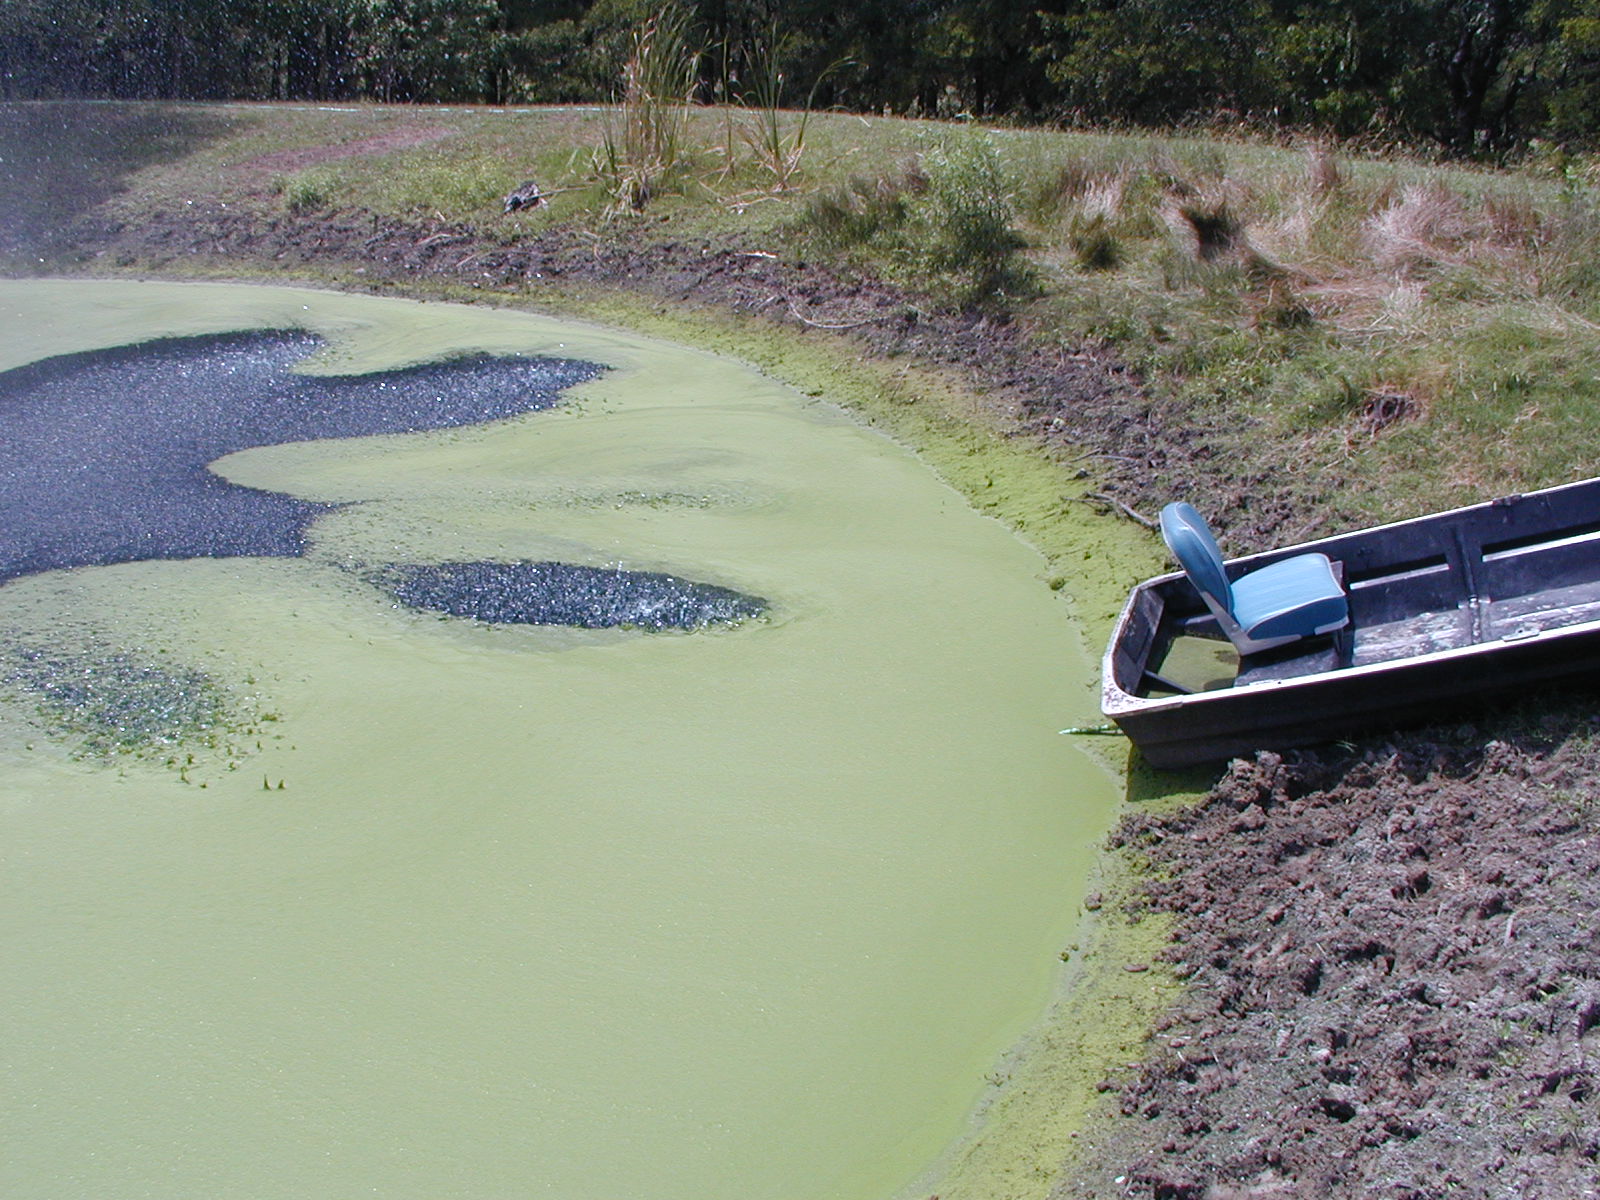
<point>1157,61</point>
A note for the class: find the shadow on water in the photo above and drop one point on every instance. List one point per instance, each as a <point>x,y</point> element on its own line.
<point>1147,785</point>
<point>59,159</point>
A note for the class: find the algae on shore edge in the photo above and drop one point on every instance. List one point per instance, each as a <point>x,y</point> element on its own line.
<point>1045,1101</point>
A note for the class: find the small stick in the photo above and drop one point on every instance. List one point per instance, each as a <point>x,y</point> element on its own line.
<point>823,325</point>
<point>1113,502</point>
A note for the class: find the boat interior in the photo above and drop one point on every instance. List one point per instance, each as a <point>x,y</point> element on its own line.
<point>1438,584</point>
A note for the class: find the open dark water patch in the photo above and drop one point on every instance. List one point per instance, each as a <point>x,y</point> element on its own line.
<point>103,455</point>
<point>553,593</point>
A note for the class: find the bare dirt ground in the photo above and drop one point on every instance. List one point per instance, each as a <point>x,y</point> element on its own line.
<point>310,156</point>
<point>1394,975</point>
<point>1393,951</point>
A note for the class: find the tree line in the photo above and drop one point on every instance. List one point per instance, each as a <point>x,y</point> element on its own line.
<point>1474,77</point>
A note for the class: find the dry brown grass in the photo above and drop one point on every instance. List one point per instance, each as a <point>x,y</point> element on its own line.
<point>1322,171</point>
<point>1426,225</point>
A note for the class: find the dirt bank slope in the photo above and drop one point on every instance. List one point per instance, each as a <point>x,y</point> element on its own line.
<point>1075,400</point>
<point>1394,975</point>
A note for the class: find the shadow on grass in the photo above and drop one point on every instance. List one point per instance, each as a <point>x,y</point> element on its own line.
<point>58,160</point>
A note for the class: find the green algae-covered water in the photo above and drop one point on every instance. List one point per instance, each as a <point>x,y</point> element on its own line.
<point>457,910</point>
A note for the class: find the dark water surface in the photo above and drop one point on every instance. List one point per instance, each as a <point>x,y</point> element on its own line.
<point>547,593</point>
<point>106,460</point>
<point>105,455</point>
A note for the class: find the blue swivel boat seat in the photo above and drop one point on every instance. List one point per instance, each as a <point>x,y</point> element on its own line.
<point>1273,606</point>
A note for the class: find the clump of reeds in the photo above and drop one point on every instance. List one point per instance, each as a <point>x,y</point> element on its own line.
<point>1092,227</point>
<point>650,151</point>
<point>1209,233</point>
<point>1205,227</point>
<point>777,142</point>
<point>306,192</point>
<point>1085,200</point>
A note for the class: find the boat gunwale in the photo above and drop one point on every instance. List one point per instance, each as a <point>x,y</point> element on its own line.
<point>1130,702</point>
<point>1136,622</point>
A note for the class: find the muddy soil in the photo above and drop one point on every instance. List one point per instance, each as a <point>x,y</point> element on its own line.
<point>1393,972</point>
<point>1393,951</point>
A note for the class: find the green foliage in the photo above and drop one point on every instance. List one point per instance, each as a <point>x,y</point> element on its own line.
<point>863,211</point>
<point>306,192</point>
<point>446,181</point>
<point>649,152</point>
<point>426,50</point>
<point>948,222</point>
<point>1477,77</point>
<point>968,211</point>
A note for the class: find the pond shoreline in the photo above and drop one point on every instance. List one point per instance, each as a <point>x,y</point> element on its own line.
<point>1208,1104</point>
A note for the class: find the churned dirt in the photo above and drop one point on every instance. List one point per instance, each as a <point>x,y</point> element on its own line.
<point>1392,951</point>
<point>1393,971</point>
<point>405,138</point>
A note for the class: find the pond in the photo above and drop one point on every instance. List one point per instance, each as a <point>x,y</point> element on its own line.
<point>339,860</point>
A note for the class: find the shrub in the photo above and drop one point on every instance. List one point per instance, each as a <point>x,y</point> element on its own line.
<point>308,191</point>
<point>968,212</point>
<point>945,222</point>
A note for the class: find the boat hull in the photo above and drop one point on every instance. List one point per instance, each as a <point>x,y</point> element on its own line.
<point>1485,602</point>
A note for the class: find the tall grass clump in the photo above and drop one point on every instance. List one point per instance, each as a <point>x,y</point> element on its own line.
<point>1086,203</point>
<point>1421,328</point>
<point>777,143</point>
<point>1092,231</point>
<point>452,185</point>
<point>1571,260</point>
<point>946,222</point>
<point>648,151</point>
<point>862,212</point>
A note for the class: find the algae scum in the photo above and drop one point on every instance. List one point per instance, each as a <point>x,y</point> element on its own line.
<point>621,776</point>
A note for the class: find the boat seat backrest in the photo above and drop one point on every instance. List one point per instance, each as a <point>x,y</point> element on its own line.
<point>1195,547</point>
